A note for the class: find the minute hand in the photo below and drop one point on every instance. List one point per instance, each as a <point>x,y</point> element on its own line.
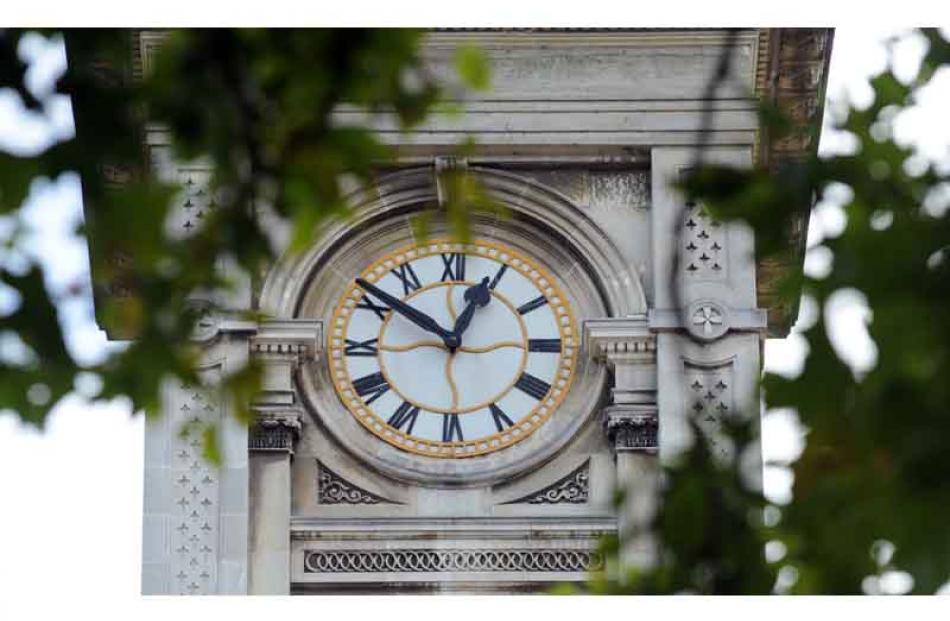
<point>415,316</point>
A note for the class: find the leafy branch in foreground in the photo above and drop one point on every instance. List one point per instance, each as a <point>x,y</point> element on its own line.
<point>255,106</point>
<point>872,471</point>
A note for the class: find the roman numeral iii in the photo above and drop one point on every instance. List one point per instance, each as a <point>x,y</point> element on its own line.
<point>545,346</point>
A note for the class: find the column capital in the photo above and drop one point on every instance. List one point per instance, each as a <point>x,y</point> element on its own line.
<point>632,428</point>
<point>274,429</point>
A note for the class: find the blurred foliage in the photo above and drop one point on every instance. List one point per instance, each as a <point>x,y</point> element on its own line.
<point>256,106</point>
<point>870,486</point>
<point>870,489</point>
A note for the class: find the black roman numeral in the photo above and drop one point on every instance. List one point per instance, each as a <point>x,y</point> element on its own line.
<point>451,428</point>
<point>374,384</point>
<point>380,309</point>
<point>405,413</point>
<point>453,267</point>
<point>501,419</point>
<point>361,348</point>
<point>533,386</point>
<point>545,346</point>
<point>498,275</point>
<point>410,282</point>
<point>536,303</point>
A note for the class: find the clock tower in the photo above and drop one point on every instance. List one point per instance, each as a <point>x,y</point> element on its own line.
<point>441,415</point>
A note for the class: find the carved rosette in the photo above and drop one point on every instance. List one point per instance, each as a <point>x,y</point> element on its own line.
<point>707,320</point>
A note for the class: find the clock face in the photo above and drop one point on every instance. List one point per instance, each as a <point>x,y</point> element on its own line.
<point>453,350</point>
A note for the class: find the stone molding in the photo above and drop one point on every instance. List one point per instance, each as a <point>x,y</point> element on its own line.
<point>719,318</point>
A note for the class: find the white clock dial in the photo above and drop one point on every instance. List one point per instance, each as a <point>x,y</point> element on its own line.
<point>452,350</point>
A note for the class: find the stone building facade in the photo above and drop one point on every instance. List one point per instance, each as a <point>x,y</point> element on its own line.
<point>581,137</point>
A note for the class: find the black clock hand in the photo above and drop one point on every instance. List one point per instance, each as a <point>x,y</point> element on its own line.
<point>415,316</point>
<point>477,296</point>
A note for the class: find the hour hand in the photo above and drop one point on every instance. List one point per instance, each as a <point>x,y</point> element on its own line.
<point>415,316</point>
<point>477,296</point>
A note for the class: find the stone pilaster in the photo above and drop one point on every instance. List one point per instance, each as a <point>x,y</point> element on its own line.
<point>194,539</point>
<point>280,346</point>
<point>631,425</point>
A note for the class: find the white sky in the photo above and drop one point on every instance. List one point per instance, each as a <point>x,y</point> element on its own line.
<point>72,495</point>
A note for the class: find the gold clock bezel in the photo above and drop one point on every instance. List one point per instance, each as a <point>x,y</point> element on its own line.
<point>528,424</point>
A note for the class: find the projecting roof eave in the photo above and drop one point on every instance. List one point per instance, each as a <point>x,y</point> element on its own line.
<point>792,74</point>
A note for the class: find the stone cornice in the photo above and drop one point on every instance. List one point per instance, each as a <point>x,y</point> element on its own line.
<point>301,339</point>
<point>627,338</point>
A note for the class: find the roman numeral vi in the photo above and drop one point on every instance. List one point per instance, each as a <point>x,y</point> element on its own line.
<point>451,428</point>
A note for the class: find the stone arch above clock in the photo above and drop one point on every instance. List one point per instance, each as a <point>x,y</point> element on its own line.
<point>542,223</point>
<point>413,189</point>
